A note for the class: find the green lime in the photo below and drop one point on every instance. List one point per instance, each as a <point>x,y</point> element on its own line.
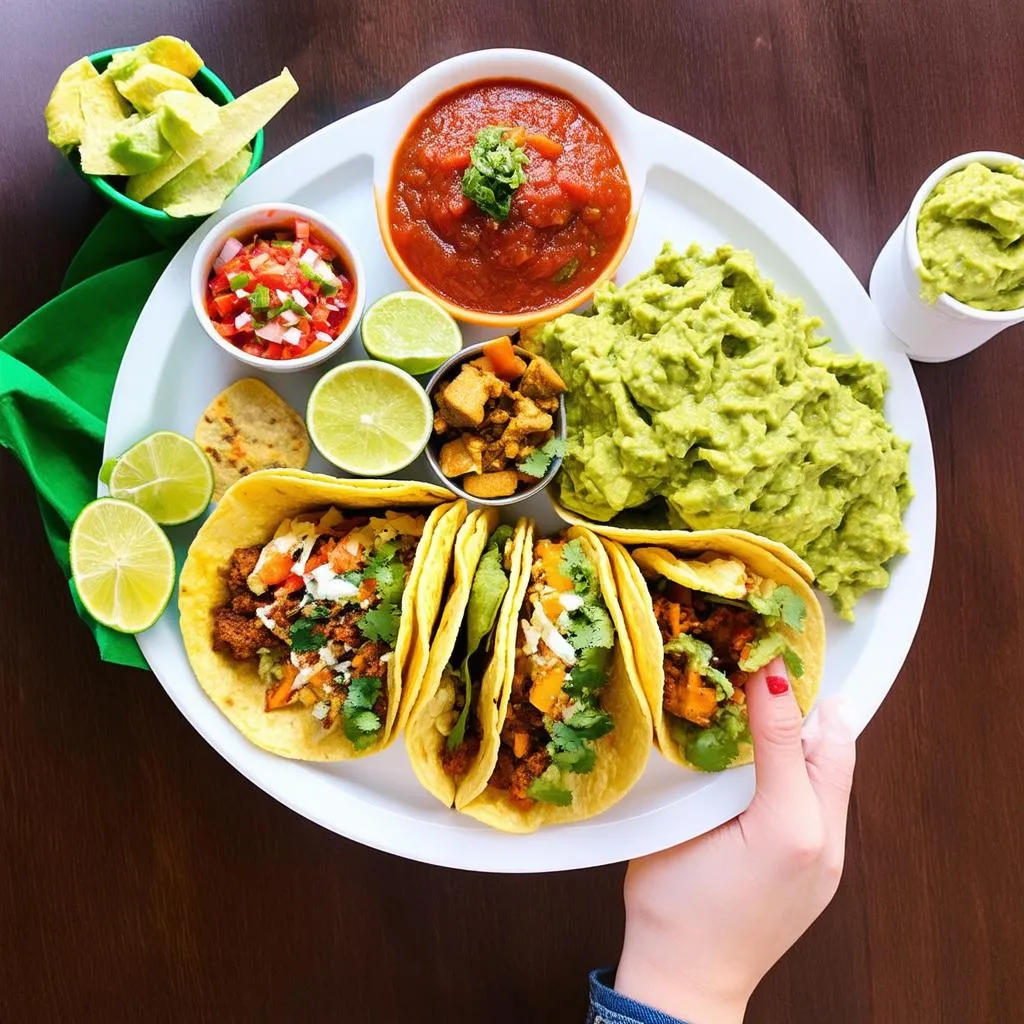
<point>369,418</point>
<point>166,474</point>
<point>410,331</point>
<point>122,564</point>
<point>106,469</point>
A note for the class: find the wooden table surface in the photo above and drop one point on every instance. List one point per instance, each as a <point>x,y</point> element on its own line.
<point>141,878</point>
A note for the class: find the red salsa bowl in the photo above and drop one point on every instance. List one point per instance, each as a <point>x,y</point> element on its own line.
<point>507,202</point>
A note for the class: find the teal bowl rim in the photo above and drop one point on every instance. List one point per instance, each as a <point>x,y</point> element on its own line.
<point>219,93</point>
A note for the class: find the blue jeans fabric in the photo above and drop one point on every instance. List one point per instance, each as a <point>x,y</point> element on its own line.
<point>609,1007</point>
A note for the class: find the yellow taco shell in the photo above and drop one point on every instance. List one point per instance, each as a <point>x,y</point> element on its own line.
<point>248,514</point>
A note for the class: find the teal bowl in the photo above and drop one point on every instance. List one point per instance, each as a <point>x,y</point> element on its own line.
<point>163,227</point>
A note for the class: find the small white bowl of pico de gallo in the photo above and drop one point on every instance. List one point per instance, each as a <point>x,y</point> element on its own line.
<point>278,287</point>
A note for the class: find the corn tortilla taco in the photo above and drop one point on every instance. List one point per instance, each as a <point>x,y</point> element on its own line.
<point>301,607</point>
<point>452,735</point>
<point>573,728</point>
<point>705,610</point>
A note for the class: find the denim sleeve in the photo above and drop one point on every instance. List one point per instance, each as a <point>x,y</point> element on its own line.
<point>609,1007</point>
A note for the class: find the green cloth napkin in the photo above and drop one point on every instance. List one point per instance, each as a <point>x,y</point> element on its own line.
<point>57,371</point>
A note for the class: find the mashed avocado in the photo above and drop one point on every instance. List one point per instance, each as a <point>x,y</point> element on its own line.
<point>698,383</point>
<point>969,236</point>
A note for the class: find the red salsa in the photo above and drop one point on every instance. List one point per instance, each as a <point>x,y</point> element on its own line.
<point>283,295</point>
<point>569,208</point>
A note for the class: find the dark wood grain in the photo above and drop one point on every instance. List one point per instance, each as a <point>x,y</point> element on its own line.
<point>142,879</point>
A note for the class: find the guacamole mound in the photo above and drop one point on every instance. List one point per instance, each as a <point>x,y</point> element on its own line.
<point>969,236</point>
<point>699,383</point>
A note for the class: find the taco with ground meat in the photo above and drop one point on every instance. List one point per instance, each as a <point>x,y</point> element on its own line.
<point>307,605</point>
<point>453,728</point>
<point>705,611</point>
<point>573,729</point>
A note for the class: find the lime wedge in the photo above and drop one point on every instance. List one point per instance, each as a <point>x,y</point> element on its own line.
<point>122,564</point>
<point>166,474</point>
<point>369,418</point>
<point>410,331</point>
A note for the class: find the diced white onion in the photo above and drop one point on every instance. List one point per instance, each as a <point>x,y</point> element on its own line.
<point>242,320</point>
<point>325,585</point>
<point>309,257</point>
<point>241,293</point>
<point>299,298</point>
<point>261,614</point>
<point>333,305</point>
<point>570,602</point>
<point>273,332</point>
<point>258,260</point>
<point>296,247</point>
<point>324,336</point>
<point>327,656</point>
<point>229,250</point>
<point>292,336</point>
<point>282,296</point>
<point>288,317</point>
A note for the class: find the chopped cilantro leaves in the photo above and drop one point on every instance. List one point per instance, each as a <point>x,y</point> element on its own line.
<point>589,673</point>
<point>303,636</point>
<point>590,626</point>
<point>537,463</point>
<point>794,663</point>
<point>589,723</point>
<point>363,692</point>
<point>381,623</point>
<point>548,789</point>
<point>496,170</point>
<point>783,604</point>
<point>362,723</point>
<point>575,565</point>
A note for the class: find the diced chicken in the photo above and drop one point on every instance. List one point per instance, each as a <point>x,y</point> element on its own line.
<point>540,380</point>
<point>527,419</point>
<point>462,401</point>
<point>456,459</point>
<point>492,485</point>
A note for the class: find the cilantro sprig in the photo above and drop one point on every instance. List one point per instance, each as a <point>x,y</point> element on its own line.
<point>538,462</point>
<point>780,604</point>
<point>362,723</point>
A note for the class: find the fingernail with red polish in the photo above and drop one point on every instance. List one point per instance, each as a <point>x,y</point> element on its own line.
<point>777,685</point>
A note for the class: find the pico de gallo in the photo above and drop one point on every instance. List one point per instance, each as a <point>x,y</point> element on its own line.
<point>283,295</point>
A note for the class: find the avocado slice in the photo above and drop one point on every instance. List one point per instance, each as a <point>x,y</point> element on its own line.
<point>185,118</point>
<point>140,147</point>
<point>147,84</point>
<point>64,121</point>
<point>167,51</point>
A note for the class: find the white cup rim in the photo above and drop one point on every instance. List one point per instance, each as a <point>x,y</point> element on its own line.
<point>945,302</point>
<point>228,227</point>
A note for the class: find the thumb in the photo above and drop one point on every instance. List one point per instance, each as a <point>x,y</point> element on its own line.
<point>775,723</point>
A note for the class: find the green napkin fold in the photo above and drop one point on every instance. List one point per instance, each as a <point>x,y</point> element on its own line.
<point>57,372</point>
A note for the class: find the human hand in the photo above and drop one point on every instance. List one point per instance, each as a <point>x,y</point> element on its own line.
<point>706,920</point>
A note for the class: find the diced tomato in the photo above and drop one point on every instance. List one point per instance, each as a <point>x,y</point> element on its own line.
<point>276,267</point>
<point>316,346</point>
<point>290,585</point>
<point>454,160</point>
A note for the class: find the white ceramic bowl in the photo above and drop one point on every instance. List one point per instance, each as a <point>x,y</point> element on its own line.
<point>243,224</point>
<point>946,329</point>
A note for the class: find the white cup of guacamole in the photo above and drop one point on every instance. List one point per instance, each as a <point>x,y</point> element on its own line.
<point>952,273</point>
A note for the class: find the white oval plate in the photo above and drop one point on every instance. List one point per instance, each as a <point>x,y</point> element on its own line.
<point>690,192</point>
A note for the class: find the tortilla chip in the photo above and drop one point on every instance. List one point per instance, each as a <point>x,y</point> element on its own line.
<point>424,738</point>
<point>249,427</point>
<point>64,120</point>
<point>249,514</point>
<point>197,192</point>
<point>238,122</point>
<point>621,755</point>
<point>104,113</point>
<point>761,564</point>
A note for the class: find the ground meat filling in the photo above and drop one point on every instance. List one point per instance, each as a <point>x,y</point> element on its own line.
<point>514,771</point>
<point>728,630</point>
<point>236,630</point>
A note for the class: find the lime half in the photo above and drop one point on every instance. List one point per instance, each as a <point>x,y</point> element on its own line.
<point>122,564</point>
<point>410,331</point>
<point>166,474</point>
<point>369,418</point>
